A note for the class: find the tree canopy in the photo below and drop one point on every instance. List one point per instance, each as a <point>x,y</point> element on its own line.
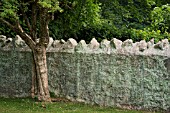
<point>85,19</point>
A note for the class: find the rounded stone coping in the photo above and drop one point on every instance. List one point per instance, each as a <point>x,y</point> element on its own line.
<point>113,46</point>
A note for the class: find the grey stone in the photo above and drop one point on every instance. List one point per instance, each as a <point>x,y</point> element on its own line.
<point>19,42</point>
<point>151,43</point>
<point>127,43</point>
<point>2,38</point>
<point>142,45</point>
<point>158,45</point>
<point>82,46</point>
<point>8,43</point>
<point>163,44</point>
<point>70,44</point>
<point>9,40</point>
<point>62,41</point>
<point>56,44</point>
<point>105,44</point>
<point>5,42</point>
<point>94,44</point>
<point>115,43</point>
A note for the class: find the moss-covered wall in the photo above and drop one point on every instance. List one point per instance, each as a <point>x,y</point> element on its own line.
<point>15,73</point>
<point>104,76</point>
<point>111,80</point>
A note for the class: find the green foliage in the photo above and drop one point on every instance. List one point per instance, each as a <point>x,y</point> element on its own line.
<point>124,13</point>
<point>85,19</point>
<point>14,11</point>
<point>160,18</point>
<point>9,9</point>
<point>77,16</point>
<point>6,31</point>
<point>52,5</point>
<point>135,19</point>
<point>148,34</point>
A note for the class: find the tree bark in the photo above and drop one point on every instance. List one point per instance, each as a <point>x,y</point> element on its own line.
<point>39,54</point>
<point>34,90</point>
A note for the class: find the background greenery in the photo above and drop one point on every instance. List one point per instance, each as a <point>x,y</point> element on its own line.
<point>122,19</point>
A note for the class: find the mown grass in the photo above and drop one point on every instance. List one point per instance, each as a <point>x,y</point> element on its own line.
<point>30,106</point>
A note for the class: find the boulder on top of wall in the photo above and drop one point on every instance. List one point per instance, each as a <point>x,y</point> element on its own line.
<point>56,44</point>
<point>94,44</point>
<point>163,44</point>
<point>2,38</point>
<point>5,42</point>
<point>19,42</point>
<point>142,45</point>
<point>150,43</point>
<point>9,40</point>
<point>127,43</point>
<point>70,44</point>
<point>115,43</point>
<point>62,41</point>
<point>8,43</point>
<point>105,44</point>
<point>59,43</point>
<point>82,46</point>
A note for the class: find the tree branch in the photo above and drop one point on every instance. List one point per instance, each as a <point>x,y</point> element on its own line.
<point>44,21</point>
<point>8,24</point>
<point>34,20</point>
<point>18,29</point>
<point>26,19</point>
<point>28,39</point>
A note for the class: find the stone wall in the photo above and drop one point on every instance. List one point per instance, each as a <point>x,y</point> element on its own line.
<point>15,73</point>
<point>110,73</point>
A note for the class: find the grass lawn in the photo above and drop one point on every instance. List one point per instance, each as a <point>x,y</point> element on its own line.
<point>30,106</point>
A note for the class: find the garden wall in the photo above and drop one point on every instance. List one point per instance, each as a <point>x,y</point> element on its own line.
<point>110,73</point>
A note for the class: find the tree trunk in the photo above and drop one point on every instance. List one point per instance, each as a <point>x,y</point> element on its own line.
<point>34,79</point>
<point>40,77</point>
<point>39,54</point>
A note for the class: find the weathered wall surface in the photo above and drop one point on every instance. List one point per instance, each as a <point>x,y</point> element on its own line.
<point>108,74</point>
<point>15,73</point>
<point>109,80</point>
